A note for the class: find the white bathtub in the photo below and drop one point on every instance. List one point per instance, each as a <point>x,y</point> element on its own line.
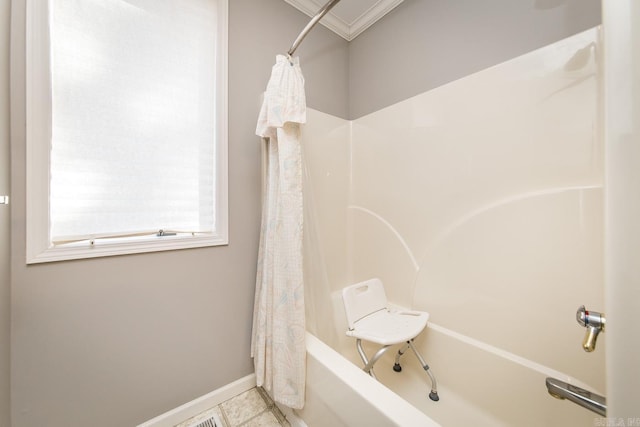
<point>478,385</point>
<point>340,394</point>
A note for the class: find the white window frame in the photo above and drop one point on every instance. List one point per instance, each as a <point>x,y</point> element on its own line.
<point>39,247</point>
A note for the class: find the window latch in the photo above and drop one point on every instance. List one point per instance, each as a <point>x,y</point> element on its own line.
<point>162,233</point>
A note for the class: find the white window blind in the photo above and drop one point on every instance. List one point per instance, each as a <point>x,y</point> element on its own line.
<point>135,97</point>
<point>133,117</point>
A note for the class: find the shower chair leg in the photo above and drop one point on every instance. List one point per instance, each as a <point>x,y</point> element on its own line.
<point>368,364</point>
<point>433,395</point>
<point>396,366</point>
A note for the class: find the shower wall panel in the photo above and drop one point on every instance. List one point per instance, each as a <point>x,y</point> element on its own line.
<point>481,202</point>
<point>326,156</point>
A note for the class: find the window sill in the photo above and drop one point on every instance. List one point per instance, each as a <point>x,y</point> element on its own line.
<point>115,247</point>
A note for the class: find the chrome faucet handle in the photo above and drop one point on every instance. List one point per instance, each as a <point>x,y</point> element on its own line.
<point>594,322</point>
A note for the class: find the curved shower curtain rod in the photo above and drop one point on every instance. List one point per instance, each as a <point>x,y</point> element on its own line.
<point>318,16</point>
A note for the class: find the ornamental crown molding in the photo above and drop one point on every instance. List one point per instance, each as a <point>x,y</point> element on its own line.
<point>348,25</point>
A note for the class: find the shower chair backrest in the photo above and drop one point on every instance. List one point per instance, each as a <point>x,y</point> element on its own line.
<point>362,299</point>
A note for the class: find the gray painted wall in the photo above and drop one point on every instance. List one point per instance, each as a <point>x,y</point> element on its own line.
<point>5,315</point>
<point>115,341</point>
<point>423,44</point>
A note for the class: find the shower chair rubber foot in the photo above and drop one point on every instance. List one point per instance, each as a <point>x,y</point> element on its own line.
<point>434,396</point>
<point>397,367</point>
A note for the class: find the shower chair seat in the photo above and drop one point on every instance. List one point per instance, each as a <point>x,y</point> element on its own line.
<point>370,318</point>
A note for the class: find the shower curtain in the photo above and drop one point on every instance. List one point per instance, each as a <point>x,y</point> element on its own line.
<point>278,337</point>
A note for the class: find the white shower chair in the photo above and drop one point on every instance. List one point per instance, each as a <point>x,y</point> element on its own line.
<point>370,319</point>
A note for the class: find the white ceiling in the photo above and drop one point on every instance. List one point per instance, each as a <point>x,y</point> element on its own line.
<point>349,17</point>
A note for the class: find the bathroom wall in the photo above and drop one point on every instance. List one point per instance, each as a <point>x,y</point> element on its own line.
<point>423,44</point>
<point>5,230</point>
<point>115,341</point>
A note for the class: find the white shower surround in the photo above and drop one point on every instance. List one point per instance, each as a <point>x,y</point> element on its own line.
<point>480,202</point>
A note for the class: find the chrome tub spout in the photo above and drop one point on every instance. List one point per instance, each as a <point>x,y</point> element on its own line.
<point>586,399</point>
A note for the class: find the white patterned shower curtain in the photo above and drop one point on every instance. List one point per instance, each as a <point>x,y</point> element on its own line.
<point>278,338</point>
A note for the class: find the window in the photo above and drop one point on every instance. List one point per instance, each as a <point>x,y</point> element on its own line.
<point>126,127</point>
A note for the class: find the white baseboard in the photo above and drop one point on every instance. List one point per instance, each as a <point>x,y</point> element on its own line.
<point>202,403</point>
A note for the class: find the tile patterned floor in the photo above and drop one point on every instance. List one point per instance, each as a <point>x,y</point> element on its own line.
<point>253,408</point>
